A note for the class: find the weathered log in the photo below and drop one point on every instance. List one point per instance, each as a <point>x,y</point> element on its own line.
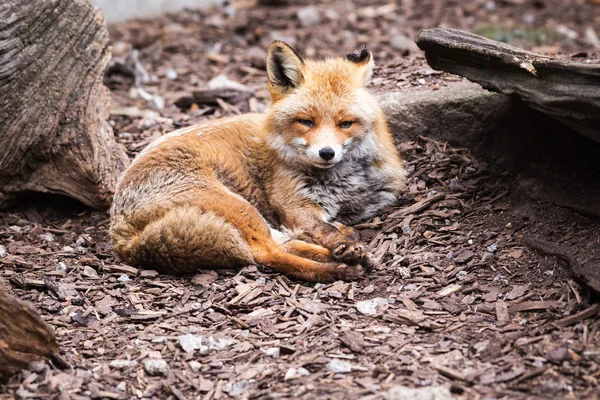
<point>563,89</point>
<point>53,107</point>
<point>24,336</point>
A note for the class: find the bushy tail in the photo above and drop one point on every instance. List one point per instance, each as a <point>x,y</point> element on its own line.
<point>182,241</point>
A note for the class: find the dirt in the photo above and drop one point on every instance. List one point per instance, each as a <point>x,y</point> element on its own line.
<point>462,302</point>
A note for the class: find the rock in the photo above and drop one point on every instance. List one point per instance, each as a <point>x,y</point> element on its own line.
<point>339,366</point>
<point>220,82</point>
<point>272,352</point>
<point>309,16</point>
<point>295,373</point>
<point>372,307</point>
<point>156,367</point>
<point>492,248</point>
<point>195,366</point>
<point>192,342</point>
<point>236,389</point>
<point>122,364</point>
<point>565,89</point>
<point>47,237</point>
<point>89,272</point>
<point>424,393</point>
<point>122,386</point>
<point>404,272</point>
<point>171,74</point>
<point>402,42</point>
<point>123,278</point>
<point>62,267</point>
<point>2,251</point>
<point>80,241</point>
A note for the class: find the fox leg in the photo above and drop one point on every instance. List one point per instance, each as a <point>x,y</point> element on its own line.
<point>266,251</point>
<point>343,241</point>
<point>309,250</point>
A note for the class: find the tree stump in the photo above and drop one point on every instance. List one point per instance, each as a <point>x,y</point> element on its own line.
<point>563,89</point>
<point>53,106</point>
<point>24,336</point>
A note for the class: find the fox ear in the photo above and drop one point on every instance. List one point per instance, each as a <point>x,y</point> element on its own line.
<point>283,67</point>
<point>363,60</point>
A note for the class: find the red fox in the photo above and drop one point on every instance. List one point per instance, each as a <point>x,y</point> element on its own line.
<point>277,189</point>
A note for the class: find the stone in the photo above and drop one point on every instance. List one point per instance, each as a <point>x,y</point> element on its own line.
<point>156,367</point>
<point>89,272</point>
<point>423,393</point>
<point>309,16</point>
<point>195,366</point>
<point>402,42</point>
<point>170,74</point>
<point>339,366</point>
<point>372,307</point>
<point>192,342</point>
<point>223,82</point>
<point>122,364</point>
<point>272,352</point>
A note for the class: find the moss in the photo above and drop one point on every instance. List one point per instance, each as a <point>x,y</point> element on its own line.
<point>511,34</point>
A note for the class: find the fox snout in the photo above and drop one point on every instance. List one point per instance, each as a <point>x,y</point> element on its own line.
<point>327,153</point>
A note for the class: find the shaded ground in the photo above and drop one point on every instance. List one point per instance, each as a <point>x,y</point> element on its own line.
<point>462,303</point>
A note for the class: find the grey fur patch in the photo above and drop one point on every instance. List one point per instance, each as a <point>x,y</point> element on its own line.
<point>352,191</point>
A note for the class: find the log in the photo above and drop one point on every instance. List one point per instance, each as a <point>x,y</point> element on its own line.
<point>566,90</point>
<point>53,106</point>
<point>24,336</point>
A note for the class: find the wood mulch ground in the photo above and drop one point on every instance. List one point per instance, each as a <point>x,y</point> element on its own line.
<point>457,301</point>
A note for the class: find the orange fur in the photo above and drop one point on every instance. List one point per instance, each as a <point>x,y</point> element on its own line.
<point>212,195</point>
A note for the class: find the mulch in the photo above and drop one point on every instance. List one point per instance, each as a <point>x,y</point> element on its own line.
<point>457,300</point>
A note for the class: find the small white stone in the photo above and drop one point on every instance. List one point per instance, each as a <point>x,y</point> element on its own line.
<point>89,272</point>
<point>122,364</point>
<point>122,386</point>
<point>62,267</point>
<point>2,251</point>
<point>80,241</point>
<point>404,272</point>
<point>192,342</point>
<point>492,247</point>
<point>47,237</point>
<point>195,366</point>
<point>68,249</point>
<point>223,82</point>
<point>171,74</point>
<point>372,307</point>
<point>272,352</point>
<point>339,366</point>
<point>422,393</point>
<point>156,366</point>
<point>123,278</point>
<point>309,16</point>
<point>381,329</point>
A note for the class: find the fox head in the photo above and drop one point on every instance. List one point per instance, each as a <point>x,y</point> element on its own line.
<point>321,112</point>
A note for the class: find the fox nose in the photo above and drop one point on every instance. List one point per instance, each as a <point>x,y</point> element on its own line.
<point>327,153</point>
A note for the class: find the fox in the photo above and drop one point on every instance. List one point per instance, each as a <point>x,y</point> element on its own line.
<point>280,189</point>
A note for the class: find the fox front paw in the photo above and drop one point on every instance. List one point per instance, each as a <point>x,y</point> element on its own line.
<point>349,252</point>
<point>349,272</point>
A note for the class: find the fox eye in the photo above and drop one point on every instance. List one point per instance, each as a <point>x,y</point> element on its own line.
<point>307,122</point>
<point>346,124</point>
